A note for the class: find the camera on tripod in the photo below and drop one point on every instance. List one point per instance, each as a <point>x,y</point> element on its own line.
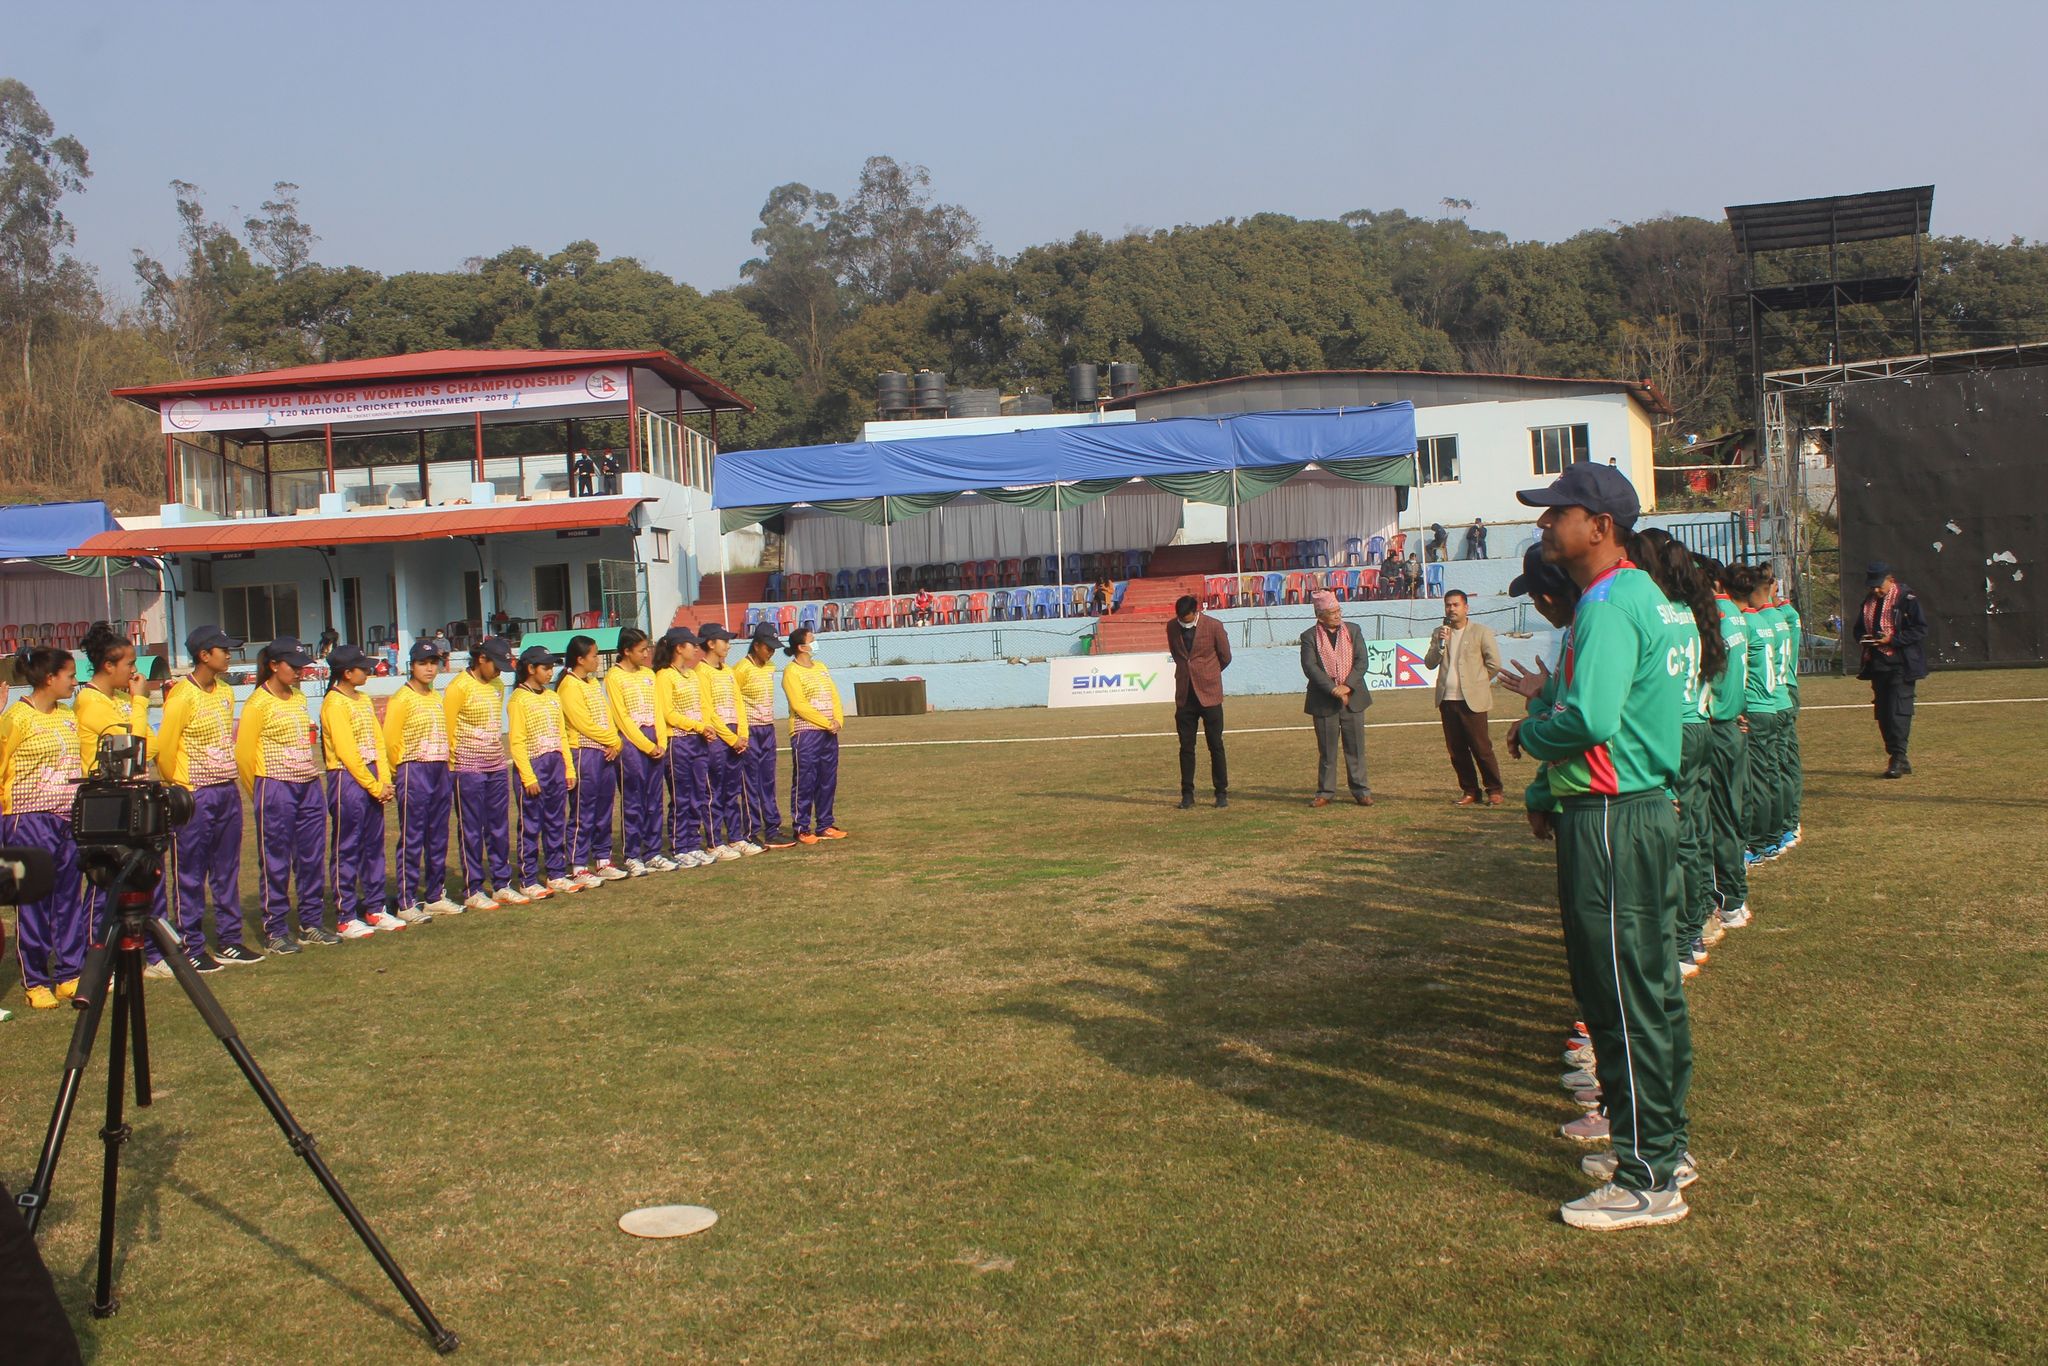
<point>121,812</point>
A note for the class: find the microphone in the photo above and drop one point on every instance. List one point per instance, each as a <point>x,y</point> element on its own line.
<point>26,874</point>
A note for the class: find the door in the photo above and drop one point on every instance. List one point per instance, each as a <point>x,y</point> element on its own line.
<point>551,596</point>
<point>472,595</point>
<point>352,611</point>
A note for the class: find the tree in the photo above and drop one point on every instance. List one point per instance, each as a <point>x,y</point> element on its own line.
<point>279,239</point>
<point>890,240</point>
<point>792,285</point>
<point>190,310</point>
<point>37,276</point>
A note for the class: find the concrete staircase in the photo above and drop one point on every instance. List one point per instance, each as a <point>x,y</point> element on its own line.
<point>741,592</point>
<point>1140,624</point>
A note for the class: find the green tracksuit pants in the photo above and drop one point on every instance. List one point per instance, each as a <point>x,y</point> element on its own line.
<point>1619,888</point>
<point>1763,800</point>
<point>1695,829</point>
<point>1727,777</point>
<point>1795,773</point>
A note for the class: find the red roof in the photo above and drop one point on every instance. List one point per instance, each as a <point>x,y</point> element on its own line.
<point>357,528</point>
<point>1640,389</point>
<point>422,364</point>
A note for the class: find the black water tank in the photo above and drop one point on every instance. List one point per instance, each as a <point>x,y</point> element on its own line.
<point>1123,379</point>
<point>1033,405</point>
<point>928,390</point>
<point>892,392</point>
<point>975,403</point>
<point>1081,386</point>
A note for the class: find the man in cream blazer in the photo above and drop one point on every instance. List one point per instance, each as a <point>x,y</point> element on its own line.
<point>1466,657</point>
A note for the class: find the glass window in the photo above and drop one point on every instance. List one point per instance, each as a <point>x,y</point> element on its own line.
<point>1552,448</point>
<point>260,612</point>
<point>660,545</point>
<point>1437,459</point>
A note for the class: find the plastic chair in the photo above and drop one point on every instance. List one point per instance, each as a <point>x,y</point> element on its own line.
<point>828,619</point>
<point>1399,544</point>
<point>998,606</point>
<point>1369,582</point>
<point>963,607</point>
<point>1116,598</point>
<point>1375,550</point>
<point>1354,550</point>
<point>1078,597</point>
<point>809,616</point>
<point>977,607</point>
<point>1297,589</point>
<point>1274,589</point>
<point>1318,554</point>
<point>785,620</point>
<point>1433,580</point>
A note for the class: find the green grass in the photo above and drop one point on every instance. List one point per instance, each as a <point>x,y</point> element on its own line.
<point>1037,1068</point>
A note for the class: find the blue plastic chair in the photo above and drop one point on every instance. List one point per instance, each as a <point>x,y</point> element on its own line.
<point>1433,580</point>
<point>1075,569</point>
<point>774,588</point>
<point>1354,550</point>
<point>1349,591</point>
<point>1275,589</point>
<point>863,587</point>
<point>842,584</point>
<point>1375,550</point>
<point>809,615</point>
<point>755,615</point>
<point>1318,554</point>
<point>1116,599</point>
<point>999,605</point>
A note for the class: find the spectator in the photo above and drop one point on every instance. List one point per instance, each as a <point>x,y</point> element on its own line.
<point>609,467</point>
<point>1104,594</point>
<point>586,475</point>
<point>1393,570</point>
<point>1475,540</point>
<point>1201,652</point>
<point>1439,546</point>
<point>1333,662</point>
<point>1465,656</point>
<point>1889,628</point>
<point>921,608</point>
<point>1414,575</point>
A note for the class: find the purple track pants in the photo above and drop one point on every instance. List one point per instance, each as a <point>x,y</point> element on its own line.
<point>590,809</point>
<point>52,931</point>
<point>543,822</point>
<point>689,793</point>
<point>423,801</point>
<point>483,813</point>
<point>723,783</point>
<point>291,835</point>
<point>814,779</point>
<point>757,783</point>
<point>206,852</point>
<point>640,788</point>
<point>355,845</point>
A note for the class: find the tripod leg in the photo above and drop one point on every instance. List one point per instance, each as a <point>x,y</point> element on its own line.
<point>94,983</point>
<point>127,1004</point>
<point>299,1140</point>
<point>129,965</point>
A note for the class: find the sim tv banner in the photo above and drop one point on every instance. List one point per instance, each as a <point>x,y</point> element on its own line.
<point>1110,680</point>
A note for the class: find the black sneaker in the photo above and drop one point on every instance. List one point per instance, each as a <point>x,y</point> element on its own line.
<point>280,943</point>
<point>1222,799</point>
<point>317,934</point>
<point>202,962</point>
<point>232,955</point>
<point>1187,801</point>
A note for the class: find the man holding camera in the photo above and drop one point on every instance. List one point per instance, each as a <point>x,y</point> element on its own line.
<point>1611,740</point>
<point>1466,657</point>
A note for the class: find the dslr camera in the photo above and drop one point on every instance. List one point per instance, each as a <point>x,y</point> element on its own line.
<point>121,816</point>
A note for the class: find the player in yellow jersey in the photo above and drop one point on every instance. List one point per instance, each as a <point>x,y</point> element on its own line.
<point>416,752</point>
<point>358,787</point>
<point>534,735</point>
<point>754,677</point>
<point>195,749</point>
<point>39,773</point>
<point>277,750</point>
<point>816,716</point>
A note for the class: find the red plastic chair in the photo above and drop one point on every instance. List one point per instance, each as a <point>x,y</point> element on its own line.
<point>549,621</point>
<point>1297,587</point>
<point>1013,574</point>
<point>977,607</point>
<point>1368,583</point>
<point>991,575</point>
<point>785,620</point>
<point>1398,544</point>
<point>1217,590</point>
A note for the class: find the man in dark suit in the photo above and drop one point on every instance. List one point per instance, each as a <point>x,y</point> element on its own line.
<point>1201,652</point>
<point>1889,628</point>
<point>1333,661</point>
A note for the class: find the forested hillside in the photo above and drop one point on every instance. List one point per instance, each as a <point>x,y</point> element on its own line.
<point>887,276</point>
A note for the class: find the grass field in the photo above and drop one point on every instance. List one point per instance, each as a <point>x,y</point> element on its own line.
<point>1037,1068</point>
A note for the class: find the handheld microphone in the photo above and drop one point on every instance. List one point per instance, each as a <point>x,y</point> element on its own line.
<point>26,874</point>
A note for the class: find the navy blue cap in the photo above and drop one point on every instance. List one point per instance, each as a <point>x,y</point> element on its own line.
<point>1539,576</point>
<point>712,630</point>
<point>343,657</point>
<point>536,654</point>
<point>424,651</point>
<point>497,647</point>
<point>681,635</point>
<point>289,650</point>
<point>1875,573</point>
<point>210,638</point>
<point>764,634</point>
<point>1596,488</point>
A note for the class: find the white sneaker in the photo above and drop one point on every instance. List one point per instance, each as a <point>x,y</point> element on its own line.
<point>511,896</point>
<point>534,891</point>
<point>700,858</point>
<point>724,853</point>
<point>1687,969</point>
<point>442,905</point>
<point>1736,918</point>
<point>1600,1166</point>
<point>158,971</point>
<point>564,885</point>
<point>662,863</point>
<point>749,848</point>
<point>417,914</point>
<point>481,901</point>
<point>635,868</point>
<point>587,880</point>
<point>1611,1207</point>
<point>610,873</point>
<point>354,929</point>
<point>383,920</point>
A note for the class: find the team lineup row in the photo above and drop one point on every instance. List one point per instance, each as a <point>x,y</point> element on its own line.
<point>676,744</point>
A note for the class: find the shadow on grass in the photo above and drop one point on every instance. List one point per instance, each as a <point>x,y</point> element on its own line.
<point>1426,1018</point>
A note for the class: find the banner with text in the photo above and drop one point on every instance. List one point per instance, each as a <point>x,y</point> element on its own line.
<point>1392,664</point>
<point>1110,680</point>
<point>396,400</point>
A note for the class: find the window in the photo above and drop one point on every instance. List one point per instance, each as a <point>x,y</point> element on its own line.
<point>1552,448</point>
<point>661,545</point>
<point>198,576</point>
<point>260,611</point>
<point>1436,458</point>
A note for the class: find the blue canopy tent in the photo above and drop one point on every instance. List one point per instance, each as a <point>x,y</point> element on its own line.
<point>44,533</point>
<point>1225,460</point>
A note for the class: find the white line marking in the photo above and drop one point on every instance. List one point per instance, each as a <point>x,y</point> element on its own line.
<point>1371,725</point>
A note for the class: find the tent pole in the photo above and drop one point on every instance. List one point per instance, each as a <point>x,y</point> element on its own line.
<point>1059,549</point>
<point>888,561</point>
<point>1237,528</point>
<point>107,582</point>
<point>724,573</point>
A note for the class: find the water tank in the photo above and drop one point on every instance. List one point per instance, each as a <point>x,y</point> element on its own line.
<point>975,403</point>
<point>1081,385</point>
<point>892,393</point>
<point>1123,379</point>
<point>928,390</point>
<point>1033,405</point>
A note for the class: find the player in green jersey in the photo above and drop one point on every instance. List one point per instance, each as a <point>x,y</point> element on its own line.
<point>1612,742</point>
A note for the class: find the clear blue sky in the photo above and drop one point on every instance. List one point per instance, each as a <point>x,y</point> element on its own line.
<point>427,132</point>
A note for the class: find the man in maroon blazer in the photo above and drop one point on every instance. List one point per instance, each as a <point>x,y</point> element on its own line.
<point>1201,652</point>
